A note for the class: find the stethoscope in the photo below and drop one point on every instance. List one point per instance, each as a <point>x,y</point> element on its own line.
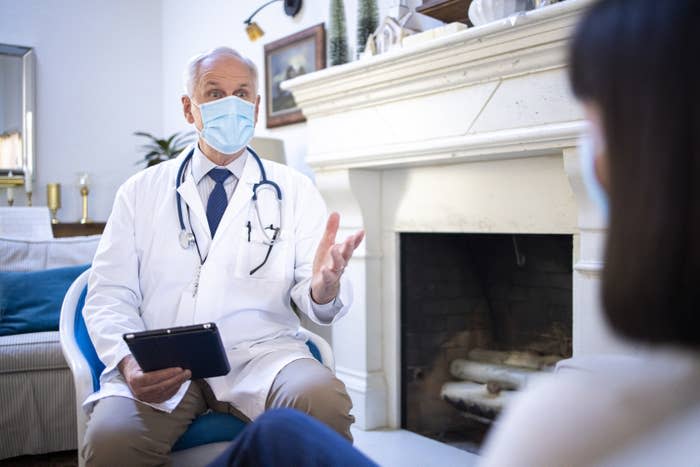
<point>188,238</point>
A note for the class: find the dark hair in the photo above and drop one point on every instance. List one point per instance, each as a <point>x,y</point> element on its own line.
<point>639,61</point>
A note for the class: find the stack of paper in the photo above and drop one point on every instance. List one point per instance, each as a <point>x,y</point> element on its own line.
<point>25,223</point>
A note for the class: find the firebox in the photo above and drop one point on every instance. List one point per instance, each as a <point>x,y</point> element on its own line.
<point>480,315</point>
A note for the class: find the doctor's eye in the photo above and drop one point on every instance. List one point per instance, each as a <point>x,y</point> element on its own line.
<point>215,94</point>
<point>241,94</point>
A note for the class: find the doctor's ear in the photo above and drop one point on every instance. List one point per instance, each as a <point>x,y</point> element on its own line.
<point>257,108</point>
<point>187,108</point>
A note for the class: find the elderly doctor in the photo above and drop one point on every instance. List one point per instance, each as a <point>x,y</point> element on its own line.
<point>143,278</point>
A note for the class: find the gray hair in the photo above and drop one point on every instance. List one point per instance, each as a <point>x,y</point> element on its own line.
<point>192,70</point>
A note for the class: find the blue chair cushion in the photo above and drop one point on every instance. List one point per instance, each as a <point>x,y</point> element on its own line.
<point>212,427</point>
<point>31,301</point>
<point>82,338</point>
<point>314,351</point>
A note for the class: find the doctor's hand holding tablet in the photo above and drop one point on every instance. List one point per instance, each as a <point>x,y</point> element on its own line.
<point>153,386</point>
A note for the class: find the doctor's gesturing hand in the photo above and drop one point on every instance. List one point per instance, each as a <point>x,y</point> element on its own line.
<point>152,386</point>
<point>330,261</point>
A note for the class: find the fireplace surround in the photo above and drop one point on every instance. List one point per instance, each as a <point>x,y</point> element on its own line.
<point>471,133</point>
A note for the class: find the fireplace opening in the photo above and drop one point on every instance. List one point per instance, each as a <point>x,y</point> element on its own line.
<point>480,315</point>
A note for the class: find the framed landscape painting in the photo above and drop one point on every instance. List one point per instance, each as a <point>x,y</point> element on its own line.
<point>285,59</point>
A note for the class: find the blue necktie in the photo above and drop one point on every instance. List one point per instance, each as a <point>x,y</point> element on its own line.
<point>216,205</point>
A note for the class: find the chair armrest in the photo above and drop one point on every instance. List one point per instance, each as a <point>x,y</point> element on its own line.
<point>66,327</point>
<point>82,375</point>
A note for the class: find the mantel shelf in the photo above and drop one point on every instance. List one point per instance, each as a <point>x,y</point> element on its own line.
<point>507,47</point>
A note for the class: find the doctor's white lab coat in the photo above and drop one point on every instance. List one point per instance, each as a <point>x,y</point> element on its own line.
<point>143,279</point>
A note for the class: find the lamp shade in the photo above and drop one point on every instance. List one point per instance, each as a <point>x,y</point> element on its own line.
<point>254,31</point>
<point>291,8</point>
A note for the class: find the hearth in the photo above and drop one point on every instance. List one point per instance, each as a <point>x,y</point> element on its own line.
<point>480,314</point>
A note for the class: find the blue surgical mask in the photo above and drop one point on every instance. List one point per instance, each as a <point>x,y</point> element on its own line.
<point>596,192</point>
<point>228,124</point>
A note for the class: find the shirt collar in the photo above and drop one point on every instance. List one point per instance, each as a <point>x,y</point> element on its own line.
<point>201,165</point>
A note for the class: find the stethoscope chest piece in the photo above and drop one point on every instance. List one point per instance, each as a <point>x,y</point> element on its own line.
<point>186,239</point>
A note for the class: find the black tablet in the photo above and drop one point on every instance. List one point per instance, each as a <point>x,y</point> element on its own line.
<point>197,348</point>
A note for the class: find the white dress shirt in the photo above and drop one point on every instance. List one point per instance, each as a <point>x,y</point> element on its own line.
<point>201,166</point>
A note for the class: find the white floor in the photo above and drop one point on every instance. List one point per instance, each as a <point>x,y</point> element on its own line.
<point>401,448</point>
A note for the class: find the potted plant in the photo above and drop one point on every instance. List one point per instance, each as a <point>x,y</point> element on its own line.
<point>159,150</point>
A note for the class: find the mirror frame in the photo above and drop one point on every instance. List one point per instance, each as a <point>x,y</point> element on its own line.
<point>28,115</point>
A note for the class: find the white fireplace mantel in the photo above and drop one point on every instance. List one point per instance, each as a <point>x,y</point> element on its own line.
<point>359,114</point>
<point>474,132</point>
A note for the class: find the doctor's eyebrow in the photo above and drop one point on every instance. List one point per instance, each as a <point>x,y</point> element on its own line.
<point>216,84</point>
<point>213,87</point>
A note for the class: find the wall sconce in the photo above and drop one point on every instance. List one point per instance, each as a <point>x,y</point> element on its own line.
<point>255,32</point>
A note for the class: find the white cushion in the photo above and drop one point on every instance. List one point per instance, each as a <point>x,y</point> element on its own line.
<point>35,255</point>
<point>33,351</point>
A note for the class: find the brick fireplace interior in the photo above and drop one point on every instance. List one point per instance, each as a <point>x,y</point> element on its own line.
<point>461,292</point>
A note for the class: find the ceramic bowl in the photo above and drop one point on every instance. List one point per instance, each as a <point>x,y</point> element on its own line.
<point>486,11</point>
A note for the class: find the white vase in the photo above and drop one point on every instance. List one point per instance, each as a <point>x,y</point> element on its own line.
<point>486,11</point>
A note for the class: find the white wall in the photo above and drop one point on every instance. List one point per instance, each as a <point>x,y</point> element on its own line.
<point>108,68</point>
<point>189,28</point>
<point>98,80</point>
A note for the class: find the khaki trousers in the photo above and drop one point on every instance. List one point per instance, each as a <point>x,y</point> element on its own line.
<point>123,431</point>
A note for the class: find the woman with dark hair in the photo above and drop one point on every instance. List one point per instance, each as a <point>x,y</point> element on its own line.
<point>635,66</point>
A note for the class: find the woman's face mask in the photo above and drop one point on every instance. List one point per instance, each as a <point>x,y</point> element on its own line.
<point>228,124</point>
<point>588,151</point>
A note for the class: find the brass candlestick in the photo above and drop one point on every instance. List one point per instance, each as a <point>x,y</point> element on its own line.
<point>84,192</point>
<point>53,199</point>
<point>10,191</point>
<point>83,184</point>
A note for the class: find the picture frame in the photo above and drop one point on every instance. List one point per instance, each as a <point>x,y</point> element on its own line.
<point>286,58</point>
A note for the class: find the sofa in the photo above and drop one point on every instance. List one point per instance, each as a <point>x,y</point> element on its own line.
<point>36,386</point>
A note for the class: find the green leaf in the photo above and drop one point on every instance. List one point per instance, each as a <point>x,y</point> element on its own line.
<point>157,149</point>
<point>144,134</point>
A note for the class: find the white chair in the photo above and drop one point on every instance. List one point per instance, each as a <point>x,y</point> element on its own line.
<point>206,437</point>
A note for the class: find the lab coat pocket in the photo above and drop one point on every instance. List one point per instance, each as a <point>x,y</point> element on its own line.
<point>258,260</point>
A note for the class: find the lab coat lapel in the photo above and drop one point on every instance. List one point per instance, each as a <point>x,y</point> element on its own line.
<point>189,193</point>
<point>241,197</point>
